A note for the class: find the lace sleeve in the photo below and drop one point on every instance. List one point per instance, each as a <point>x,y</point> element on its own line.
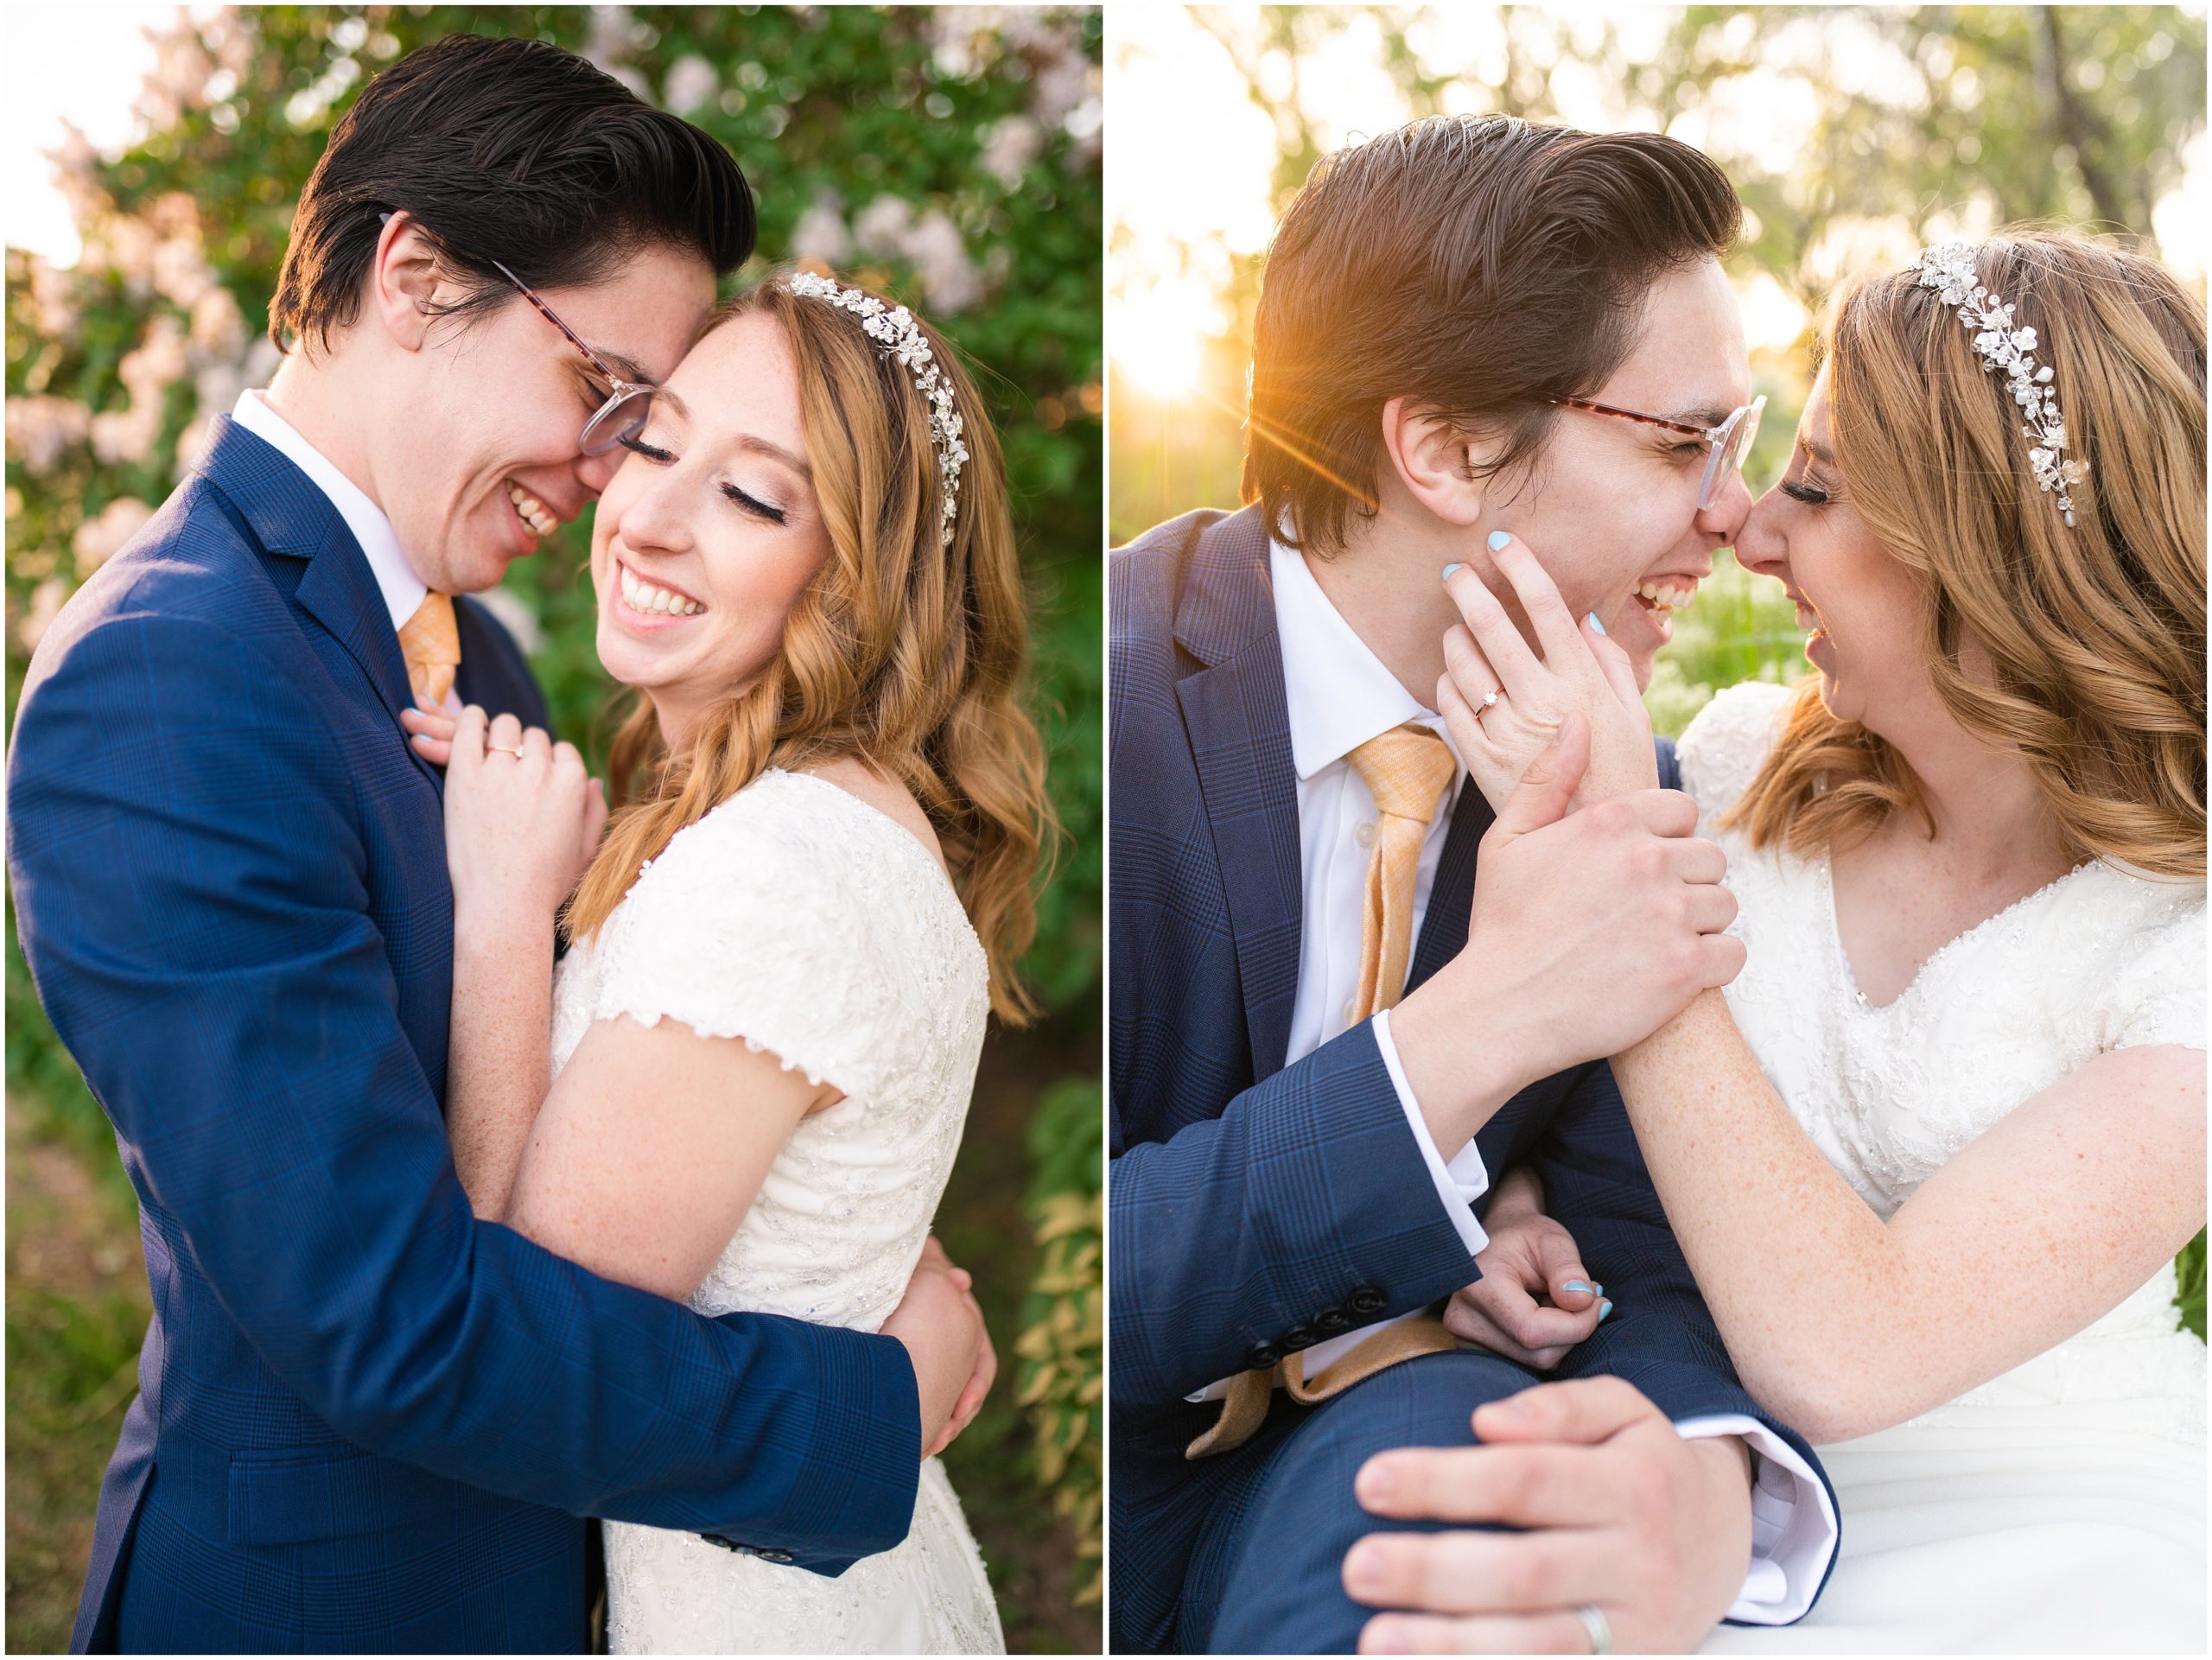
<point>2159,996</point>
<point>1722,751</point>
<point>752,923</point>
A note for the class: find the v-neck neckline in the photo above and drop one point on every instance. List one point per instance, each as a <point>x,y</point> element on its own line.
<point>1857,998</point>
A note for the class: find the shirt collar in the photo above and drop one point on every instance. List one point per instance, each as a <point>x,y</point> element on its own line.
<point>403,590</point>
<point>1338,692</point>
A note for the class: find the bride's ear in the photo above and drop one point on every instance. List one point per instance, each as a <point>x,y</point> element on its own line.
<point>1436,461</point>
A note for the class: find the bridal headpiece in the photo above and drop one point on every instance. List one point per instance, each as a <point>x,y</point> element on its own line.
<point>1949,269</point>
<point>893,328</point>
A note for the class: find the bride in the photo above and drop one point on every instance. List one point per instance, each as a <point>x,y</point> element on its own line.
<point>744,1086</point>
<point>1932,1155</point>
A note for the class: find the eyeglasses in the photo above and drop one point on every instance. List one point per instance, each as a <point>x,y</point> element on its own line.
<point>1731,440</point>
<point>628,402</point>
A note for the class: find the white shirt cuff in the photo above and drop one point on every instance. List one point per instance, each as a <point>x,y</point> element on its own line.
<point>1459,1183</point>
<point>1794,1532</point>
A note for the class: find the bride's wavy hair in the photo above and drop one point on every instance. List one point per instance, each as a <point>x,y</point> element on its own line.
<point>903,652</point>
<point>2091,637</point>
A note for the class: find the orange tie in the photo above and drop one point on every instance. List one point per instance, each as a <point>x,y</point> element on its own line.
<point>1407,769</point>
<point>431,645</point>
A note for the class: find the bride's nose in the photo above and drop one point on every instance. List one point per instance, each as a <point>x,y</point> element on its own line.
<point>657,515</point>
<point>1761,547</point>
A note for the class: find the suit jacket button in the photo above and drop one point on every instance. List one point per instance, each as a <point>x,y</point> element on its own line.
<point>1368,1299</point>
<point>1331,1320</point>
<point>1261,1356</point>
<point>1300,1336</point>
<point>779,1557</point>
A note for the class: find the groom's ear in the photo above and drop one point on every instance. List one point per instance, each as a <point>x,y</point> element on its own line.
<point>1436,461</point>
<point>404,278</point>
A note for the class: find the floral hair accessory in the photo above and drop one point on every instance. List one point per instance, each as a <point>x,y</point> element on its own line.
<point>893,328</point>
<point>1949,269</point>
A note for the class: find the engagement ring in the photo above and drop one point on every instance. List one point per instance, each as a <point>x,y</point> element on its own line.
<point>502,749</point>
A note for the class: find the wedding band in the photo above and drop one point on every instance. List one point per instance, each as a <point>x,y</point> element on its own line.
<point>1593,1623</point>
<point>501,749</point>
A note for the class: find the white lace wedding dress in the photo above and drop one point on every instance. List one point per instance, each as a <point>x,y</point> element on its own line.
<point>798,918</point>
<point>2061,1506</point>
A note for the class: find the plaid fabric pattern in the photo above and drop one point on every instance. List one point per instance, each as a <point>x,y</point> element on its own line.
<point>366,1420</point>
<point>1247,1195</point>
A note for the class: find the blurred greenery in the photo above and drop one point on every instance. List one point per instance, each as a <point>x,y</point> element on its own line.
<point>1854,134</point>
<point>950,156</point>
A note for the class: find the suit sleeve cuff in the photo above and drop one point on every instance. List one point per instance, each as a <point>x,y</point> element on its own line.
<point>1459,1183</point>
<point>1794,1532</point>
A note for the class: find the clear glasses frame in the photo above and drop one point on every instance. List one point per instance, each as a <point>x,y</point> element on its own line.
<point>628,402</point>
<point>1731,440</point>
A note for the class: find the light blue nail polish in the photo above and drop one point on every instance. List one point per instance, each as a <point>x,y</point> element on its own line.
<point>1499,539</point>
<point>1591,618</point>
<point>1597,1290</point>
<point>1575,1285</point>
<point>1449,568</point>
<point>1604,1309</point>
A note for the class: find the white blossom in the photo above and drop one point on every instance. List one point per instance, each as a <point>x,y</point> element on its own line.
<point>99,539</point>
<point>690,83</point>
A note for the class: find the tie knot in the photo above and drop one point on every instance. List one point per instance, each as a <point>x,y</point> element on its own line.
<point>1406,770</point>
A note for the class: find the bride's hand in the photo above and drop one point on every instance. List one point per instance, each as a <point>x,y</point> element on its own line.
<point>520,827</point>
<point>1504,703</point>
<point>1529,1256</point>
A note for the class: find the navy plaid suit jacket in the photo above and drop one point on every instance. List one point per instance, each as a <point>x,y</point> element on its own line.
<point>365,1421</point>
<point>1256,1207</point>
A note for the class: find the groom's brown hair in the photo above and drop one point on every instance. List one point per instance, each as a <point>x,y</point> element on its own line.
<point>506,150</point>
<point>1474,266</point>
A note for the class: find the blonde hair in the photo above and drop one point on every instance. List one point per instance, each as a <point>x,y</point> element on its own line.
<point>2094,636</point>
<point>900,653</point>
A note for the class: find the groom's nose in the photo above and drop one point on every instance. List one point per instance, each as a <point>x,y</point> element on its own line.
<point>1725,518</point>
<point>593,472</point>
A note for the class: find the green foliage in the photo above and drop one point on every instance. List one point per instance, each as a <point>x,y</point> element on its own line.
<point>950,157</point>
<point>1062,1347</point>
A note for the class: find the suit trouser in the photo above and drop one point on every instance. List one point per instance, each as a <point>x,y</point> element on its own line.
<point>1267,1577</point>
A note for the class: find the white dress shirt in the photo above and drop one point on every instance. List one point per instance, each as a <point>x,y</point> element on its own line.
<point>1339,696</point>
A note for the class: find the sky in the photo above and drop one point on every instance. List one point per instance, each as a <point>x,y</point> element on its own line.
<point>81,61</point>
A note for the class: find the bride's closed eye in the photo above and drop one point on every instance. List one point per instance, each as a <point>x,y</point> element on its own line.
<point>1806,491</point>
<point>766,511</point>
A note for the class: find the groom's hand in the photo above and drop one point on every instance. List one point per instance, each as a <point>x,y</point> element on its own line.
<point>1590,931</point>
<point>942,1326</point>
<point>1617,1511</point>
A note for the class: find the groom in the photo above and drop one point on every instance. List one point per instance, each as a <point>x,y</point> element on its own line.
<point>1303,1157</point>
<point>366,1419</point>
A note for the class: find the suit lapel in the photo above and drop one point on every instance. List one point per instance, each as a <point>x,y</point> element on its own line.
<point>1238,721</point>
<point>290,517</point>
<point>1443,929</point>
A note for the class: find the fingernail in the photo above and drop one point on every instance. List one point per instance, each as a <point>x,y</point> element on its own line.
<point>1599,1289</point>
<point>1575,1285</point>
<point>1373,1484</point>
<point>1499,539</point>
<point>1363,1567</point>
<point>1604,1309</point>
<point>1389,1640</point>
<point>1449,568</point>
<point>1595,626</point>
<point>1514,1411</point>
